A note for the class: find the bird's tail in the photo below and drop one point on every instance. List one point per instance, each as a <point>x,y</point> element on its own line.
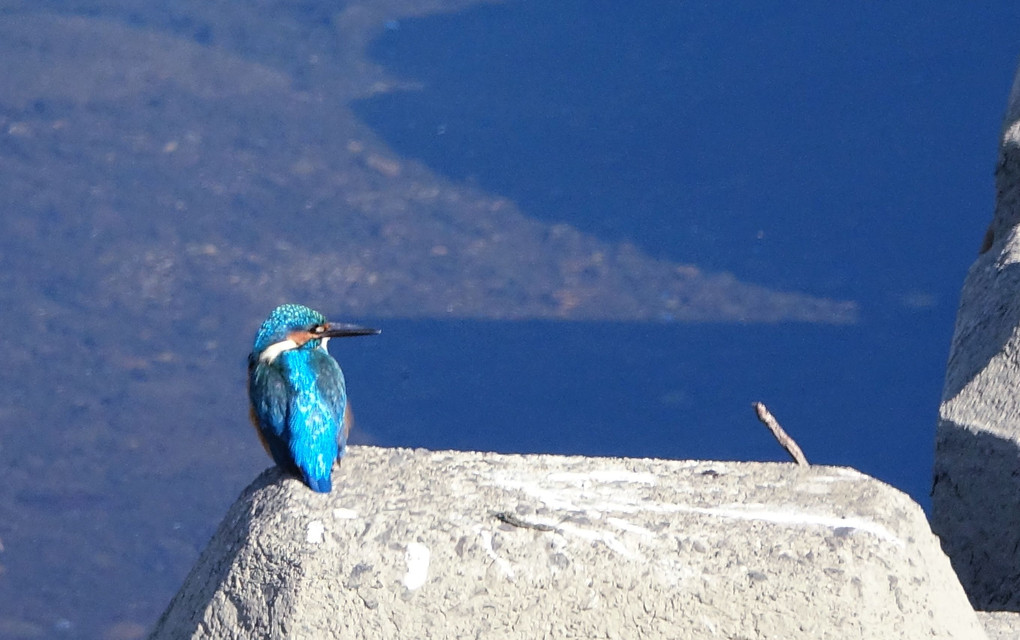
<point>321,485</point>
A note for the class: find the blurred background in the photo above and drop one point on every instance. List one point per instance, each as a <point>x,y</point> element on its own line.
<point>584,227</point>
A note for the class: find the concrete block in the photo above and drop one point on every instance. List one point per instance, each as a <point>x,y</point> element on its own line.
<point>422,544</point>
<point>976,491</point>
<point>1000,625</point>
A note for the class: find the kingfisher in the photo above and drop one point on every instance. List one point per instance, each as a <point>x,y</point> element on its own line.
<point>297,392</point>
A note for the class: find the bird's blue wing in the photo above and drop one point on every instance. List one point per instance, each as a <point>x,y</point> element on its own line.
<point>268,392</point>
<point>315,413</point>
<point>330,382</point>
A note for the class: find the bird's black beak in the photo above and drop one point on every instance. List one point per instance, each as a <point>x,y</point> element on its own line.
<point>345,330</point>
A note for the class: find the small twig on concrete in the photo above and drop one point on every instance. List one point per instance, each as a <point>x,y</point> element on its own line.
<point>514,521</point>
<point>784,439</point>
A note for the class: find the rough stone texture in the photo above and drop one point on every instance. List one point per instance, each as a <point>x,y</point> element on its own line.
<point>420,544</point>
<point>1000,625</point>
<point>976,493</point>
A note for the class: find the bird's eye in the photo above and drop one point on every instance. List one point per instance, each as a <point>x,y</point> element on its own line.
<point>319,328</point>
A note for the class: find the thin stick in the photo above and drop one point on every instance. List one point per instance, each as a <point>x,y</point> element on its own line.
<point>784,439</point>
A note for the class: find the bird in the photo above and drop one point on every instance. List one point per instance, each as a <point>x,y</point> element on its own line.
<point>298,397</point>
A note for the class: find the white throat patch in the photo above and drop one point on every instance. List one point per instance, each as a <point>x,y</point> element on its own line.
<point>272,351</point>
<point>269,353</point>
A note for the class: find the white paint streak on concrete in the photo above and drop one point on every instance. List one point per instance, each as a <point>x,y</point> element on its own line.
<point>603,476</point>
<point>795,518</point>
<point>417,558</point>
<point>577,499</point>
<point>315,532</point>
<point>831,479</point>
<point>486,537</point>
<point>552,498</point>
<point>630,527</point>
<point>591,535</point>
<point>851,473</point>
<point>705,620</point>
<point>604,537</point>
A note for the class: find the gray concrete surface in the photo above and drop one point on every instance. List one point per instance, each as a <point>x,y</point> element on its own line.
<point>1000,625</point>
<point>976,492</point>
<point>421,544</point>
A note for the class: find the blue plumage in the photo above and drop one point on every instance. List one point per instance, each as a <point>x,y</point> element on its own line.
<point>297,392</point>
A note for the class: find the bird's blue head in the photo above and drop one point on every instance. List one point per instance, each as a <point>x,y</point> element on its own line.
<point>295,326</point>
<point>284,320</point>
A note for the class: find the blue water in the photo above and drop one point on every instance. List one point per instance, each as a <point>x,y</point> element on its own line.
<point>822,148</point>
<point>863,396</point>
<point>830,150</point>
